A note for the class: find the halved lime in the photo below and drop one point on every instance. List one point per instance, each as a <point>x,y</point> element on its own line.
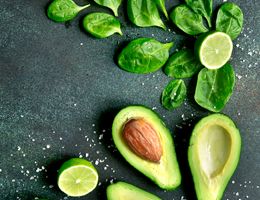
<point>214,49</point>
<point>77,177</point>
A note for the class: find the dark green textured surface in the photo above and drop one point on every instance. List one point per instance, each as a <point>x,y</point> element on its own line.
<point>61,87</point>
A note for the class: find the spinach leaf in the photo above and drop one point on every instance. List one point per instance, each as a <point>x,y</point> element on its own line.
<point>182,64</point>
<point>144,13</point>
<point>144,55</point>
<point>64,10</point>
<point>101,25</point>
<point>112,4</point>
<point>161,5</point>
<point>202,7</point>
<point>230,20</point>
<point>174,94</point>
<point>214,87</point>
<point>187,20</point>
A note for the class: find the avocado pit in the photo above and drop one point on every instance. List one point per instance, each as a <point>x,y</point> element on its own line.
<point>143,140</point>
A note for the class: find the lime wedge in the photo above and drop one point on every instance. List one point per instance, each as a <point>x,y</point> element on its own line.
<point>77,177</point>
<point>214,49</point>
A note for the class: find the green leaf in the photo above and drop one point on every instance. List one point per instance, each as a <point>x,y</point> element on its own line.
<point>144,55</point>
<point>144,13</point>
<point>214,87</point>
<point>182,64</point>
<point>174,94</point>
<point>230,20</point>
<point>101,25</point>
<point>64,10</point>
<point>112,4</point>
<point>187,20</point>
<point>161,5</point>
<point>202,7</point>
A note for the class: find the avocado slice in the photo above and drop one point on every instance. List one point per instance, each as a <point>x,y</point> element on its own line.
<point>125,191</point>
<point>165,173</point>
<point>213,155</point>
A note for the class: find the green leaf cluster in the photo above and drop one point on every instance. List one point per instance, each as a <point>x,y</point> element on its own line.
<point>99,25</point>
<point>189,17</point>
<point>146,55</point>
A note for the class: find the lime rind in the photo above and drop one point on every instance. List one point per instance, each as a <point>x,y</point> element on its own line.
<point>215,49</point>
<point>77,177</point>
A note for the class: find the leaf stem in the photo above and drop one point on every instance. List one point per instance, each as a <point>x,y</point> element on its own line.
<point>209,21</point>
<point>115,11</point>
<point>83,7</point>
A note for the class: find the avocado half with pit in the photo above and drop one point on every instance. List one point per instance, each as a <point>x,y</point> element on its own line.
<point>213,154</point>
<point>125,191</point>
<point>144,141</point>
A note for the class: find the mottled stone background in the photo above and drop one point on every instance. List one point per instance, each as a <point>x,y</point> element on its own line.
<point>60,89</point>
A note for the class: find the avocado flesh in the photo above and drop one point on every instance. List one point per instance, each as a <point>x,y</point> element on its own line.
<point>125,191</point>
<point>213,155</point>
<point>166,173</point>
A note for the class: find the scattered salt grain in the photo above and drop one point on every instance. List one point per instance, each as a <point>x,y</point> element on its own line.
<point>238,76</point>
<point>100,137</point>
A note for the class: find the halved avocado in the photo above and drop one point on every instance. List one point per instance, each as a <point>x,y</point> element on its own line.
<point>166,173</point>
<point>125,191</point>
<point>213,154</point>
